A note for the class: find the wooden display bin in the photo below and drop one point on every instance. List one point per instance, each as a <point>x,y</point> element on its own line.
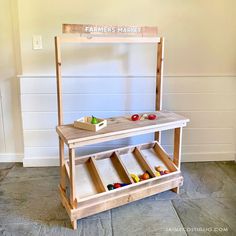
<point>86,177</point>
<point>85,123</point>
<point>155,155</point>
<point>94,173</point>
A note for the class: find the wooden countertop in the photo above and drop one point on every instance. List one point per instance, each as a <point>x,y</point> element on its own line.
<point>120,127</point>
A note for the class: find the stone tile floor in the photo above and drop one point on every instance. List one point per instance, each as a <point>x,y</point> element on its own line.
<point>206,205</point>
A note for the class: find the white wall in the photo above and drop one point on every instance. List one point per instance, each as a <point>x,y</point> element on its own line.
<point>200,70</point>
<point>11,141</point>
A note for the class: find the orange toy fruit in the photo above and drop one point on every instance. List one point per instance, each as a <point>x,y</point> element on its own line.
<point>145,176</point>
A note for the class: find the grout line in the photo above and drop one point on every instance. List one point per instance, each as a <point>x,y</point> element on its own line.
<point>224,171</point>
<point>112,228</point>
<point>176,212</point>
<point>8,170</point>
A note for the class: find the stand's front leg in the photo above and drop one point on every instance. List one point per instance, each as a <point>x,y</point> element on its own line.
<point>158,136</point>
<point>73,200</point>
<point>62,165</point>
<point>177,151</point>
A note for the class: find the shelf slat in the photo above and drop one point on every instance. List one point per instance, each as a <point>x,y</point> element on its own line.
<point>144,162</point>
<point>164,157</point>
<point>97,176</point>
<point>121,167</point>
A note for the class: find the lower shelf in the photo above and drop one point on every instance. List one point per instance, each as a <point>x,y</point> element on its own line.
<point>94,172</point>
<point>120,197</point>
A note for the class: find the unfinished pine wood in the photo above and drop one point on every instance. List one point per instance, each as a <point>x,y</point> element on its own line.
<point>144,162</point>
<point>110,30</point>
<point>110,172</point>
<point>67,169</point>
<point>87,181</point>
<point>120,191</point>
<point>119,199</point>
<point>85,123</point>
<point>97,175</point>
<point>110,40</point>
<point>164,157</point>
<point>121,167</point>
<point>159,79</point>
<point>74,224</point>
<point>159,73</point>
<point>177,146</point>
<point>64,201</point>
<point>135,164</point>
<point>89,175</point>
<point>73,200</point>
<point>62,165</point>
<point>59,82</point>
<point>156,158</point>
<point>120,127</point>
<point>177,151</point>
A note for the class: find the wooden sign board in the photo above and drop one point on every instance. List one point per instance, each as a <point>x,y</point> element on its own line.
<point>106,30</point>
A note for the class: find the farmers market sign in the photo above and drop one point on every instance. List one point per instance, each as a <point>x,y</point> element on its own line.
<point>109,30</point>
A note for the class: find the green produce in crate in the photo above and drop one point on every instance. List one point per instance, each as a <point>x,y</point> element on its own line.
<point>94,120</point>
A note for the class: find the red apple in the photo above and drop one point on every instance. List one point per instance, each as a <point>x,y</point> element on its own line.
<point>152,117</point>
<point>117,185</point>
<point>135,117</point>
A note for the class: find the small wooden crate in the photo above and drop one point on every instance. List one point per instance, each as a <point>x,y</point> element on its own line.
<point>85,123</point>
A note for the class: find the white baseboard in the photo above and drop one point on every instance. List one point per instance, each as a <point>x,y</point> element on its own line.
<point>11,157</point>
<point>201,157</point>
<point>187,157</point>
<point>40,161</point>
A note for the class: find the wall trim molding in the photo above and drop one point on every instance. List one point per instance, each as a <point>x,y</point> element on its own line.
<point>41,161</point>
<point>187,157</point>
<point>118,76</point>
<point>11,157</point>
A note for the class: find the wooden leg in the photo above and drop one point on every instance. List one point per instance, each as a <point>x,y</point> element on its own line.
<point>73,201</point>
<point>62,165</point>
<point>74,224</point>
<point>176,190</point>
<point>177,151</point>
<point>158,136</point>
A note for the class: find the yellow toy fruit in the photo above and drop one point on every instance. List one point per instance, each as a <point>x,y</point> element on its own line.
<point>135,178</point>
<point>158,173</point>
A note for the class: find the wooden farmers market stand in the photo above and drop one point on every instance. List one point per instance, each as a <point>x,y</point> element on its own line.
<point>87,177</point>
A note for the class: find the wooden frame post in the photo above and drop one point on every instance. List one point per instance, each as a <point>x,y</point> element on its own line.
<point>177,146</point>
<point>177,151</point>
<point>159,79</point>
<point>58,77</point>
<point>73,200</point>
<point>62,165</point>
